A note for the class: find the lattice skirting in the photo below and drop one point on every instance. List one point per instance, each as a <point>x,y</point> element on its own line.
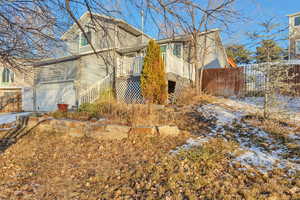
<point>180,86</point>
<point>128,90</point>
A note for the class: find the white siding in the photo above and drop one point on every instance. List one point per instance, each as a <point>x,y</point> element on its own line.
<point>49,95</point>
<point>27,99</point>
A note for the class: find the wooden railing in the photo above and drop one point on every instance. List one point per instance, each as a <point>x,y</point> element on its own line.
<point>130,67</point>
<point>173,64</point>
<point>92,93</point>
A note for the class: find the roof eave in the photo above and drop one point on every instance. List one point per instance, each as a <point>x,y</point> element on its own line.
<point>126,26</point>
<point>294,14</point>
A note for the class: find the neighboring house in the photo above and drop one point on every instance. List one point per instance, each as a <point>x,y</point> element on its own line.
<point>294,36</point>
<point>82,75</point>
<point>15,84</point>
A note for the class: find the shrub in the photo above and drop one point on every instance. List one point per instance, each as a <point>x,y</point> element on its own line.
<point>153,81</point>
<point>190,96</point>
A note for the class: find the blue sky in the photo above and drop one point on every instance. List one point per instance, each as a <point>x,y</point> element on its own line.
<point>253,12</point>
<point>257,11</point>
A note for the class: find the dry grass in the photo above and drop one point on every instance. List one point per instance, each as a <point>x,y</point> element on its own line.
<point>47,166</point>
<point>280,131</point>
<point>278,128</point>
<point>121,113</point>
<point>190,96</point>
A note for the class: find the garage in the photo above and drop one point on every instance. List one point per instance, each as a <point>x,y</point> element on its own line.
<point>48,95</point>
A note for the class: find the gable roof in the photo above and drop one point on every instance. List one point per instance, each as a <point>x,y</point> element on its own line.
<point>184,37</point>
<point>121,23</point>
<point>294,14</point>
<point>177,38</point>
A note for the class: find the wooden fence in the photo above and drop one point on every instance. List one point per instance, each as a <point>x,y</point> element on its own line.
<point>240,81</point>
<point>223,82</point>
<point>11,102</point>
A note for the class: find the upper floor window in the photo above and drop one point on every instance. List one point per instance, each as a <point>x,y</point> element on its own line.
<point>7,75</point>
<point>177,50</point>
<point>297,46</point>
<point>84,40</point>
<point>297,21</point>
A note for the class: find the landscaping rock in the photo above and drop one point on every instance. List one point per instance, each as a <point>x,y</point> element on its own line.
<point>168,131</point>
<point>158,107</point>
<point>93,119</point>
<point>96,131</point>
<point>143,130</point>
<point>83,118</point>
<point>76,132</point>
<point>116,132</point>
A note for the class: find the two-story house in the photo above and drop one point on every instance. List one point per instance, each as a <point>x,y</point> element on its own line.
<point>115,61</point>
<point>16,92</point>
<point>294,36</point>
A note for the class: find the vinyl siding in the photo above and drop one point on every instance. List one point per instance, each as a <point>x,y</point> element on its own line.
<point>94,69</point>
<point>62,71</point>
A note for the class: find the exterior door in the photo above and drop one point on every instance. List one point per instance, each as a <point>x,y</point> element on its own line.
<point>50,94</point>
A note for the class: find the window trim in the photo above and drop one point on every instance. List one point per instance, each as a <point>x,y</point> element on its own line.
<point>165,46</point>
<point>181,49</point>
<point>81,35</point>
<point>7,76</point>
<point>295,21</point>
<point>297,51</point>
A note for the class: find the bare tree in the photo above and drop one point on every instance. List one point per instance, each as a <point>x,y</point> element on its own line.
<point>28,30</point>
<point>278,76</point>
<point>192,18</point>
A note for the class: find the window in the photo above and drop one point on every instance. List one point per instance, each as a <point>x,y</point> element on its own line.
<point>177,50</point>
<point>297,21</point>
<point>297,46</point>
<point>83,39</point>
<point>163,48</point>
<point>7,75</point>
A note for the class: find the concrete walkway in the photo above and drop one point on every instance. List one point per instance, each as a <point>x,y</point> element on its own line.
<point>11,117</point>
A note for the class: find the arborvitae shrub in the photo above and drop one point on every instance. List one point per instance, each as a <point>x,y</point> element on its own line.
<point>153,78</point>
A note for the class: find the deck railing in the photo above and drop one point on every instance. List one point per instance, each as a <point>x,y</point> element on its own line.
<point>173,64</point>
<point>130,66</point>
<point>92,93</point>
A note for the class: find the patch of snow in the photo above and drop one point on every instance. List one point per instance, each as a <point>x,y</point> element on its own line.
<point>222,115</point>
<point>191,142</point>
<point>261,150</point>
<point>12,117</point>
<point>294,136</point>
<point>254,104</point>
<point>257,159</point>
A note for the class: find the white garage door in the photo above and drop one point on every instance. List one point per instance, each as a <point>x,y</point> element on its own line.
<point>49,95</point>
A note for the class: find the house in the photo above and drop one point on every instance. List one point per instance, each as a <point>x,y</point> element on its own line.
<point>16,92</point>
<point>114,60</point>
<point>294,36</point>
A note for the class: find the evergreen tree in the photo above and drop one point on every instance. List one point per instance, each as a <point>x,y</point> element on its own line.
<point>153,80</point>
<point>268,51</point>
<point>239,54</point>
